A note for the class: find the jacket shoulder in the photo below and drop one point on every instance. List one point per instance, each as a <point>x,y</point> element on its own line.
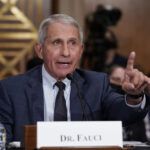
<point>22,78</point>
<point>92,75</point>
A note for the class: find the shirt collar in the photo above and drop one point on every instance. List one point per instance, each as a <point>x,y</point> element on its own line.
<point>51,80</point>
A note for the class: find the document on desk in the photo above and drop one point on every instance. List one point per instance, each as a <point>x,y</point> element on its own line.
<point>79,134</point>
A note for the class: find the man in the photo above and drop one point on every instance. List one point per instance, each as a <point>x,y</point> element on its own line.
<point>28,98</point>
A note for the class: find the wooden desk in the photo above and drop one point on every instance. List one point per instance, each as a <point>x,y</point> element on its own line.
<point>71,148</point>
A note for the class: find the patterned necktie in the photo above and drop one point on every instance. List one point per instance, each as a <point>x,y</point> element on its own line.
<point>60,110</point>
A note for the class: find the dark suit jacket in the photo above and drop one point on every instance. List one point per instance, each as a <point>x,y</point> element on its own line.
<point>21,101</point>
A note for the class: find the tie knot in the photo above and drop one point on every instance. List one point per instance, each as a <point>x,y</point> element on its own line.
<point>60,85</point>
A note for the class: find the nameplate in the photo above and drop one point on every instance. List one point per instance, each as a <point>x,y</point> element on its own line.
<point>79,134</point>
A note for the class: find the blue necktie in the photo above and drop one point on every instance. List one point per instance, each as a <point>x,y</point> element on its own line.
<point>60,110</point>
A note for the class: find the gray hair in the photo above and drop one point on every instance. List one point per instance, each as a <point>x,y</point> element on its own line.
<point>62,18</point>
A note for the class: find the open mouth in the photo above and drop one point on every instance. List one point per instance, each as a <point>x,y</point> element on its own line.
<point>63,64</point>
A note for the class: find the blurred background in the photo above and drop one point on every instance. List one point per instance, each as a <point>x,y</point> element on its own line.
<point>122,25</point>
<point>112,28</point>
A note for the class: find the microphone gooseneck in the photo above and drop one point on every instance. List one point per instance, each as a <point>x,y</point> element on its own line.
<point>69,76</point>
<point>81,98</point>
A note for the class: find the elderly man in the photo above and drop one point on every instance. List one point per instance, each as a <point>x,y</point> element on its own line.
<point>58,91</point>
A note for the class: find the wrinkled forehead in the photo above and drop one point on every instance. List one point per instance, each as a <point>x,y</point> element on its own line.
<point>63,29</point>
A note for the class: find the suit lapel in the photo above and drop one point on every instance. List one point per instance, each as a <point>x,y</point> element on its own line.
<point>35,100</point>
<point>75,102</point>
<point>34,93</point>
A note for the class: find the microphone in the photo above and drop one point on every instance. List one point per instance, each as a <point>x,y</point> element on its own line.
<point>69,76</point>
<point>81,98</point>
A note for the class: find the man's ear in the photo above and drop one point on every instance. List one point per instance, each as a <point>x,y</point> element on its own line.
<point>82,49</point>
<point>38,50</point>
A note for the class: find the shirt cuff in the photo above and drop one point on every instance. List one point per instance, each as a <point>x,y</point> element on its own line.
<point>142,104</point>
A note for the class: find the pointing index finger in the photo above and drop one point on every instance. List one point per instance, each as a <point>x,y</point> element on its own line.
<point>130,62</point>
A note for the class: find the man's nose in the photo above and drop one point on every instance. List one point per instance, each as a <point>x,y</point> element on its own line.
<point>65,50</point>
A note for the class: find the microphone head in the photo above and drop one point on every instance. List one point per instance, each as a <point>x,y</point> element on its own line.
<point>69,76</point>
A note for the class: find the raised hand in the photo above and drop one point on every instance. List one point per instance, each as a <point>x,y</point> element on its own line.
<point>134,81</point>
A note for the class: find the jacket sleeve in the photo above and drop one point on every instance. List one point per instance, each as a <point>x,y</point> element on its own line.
<point>115,107</point>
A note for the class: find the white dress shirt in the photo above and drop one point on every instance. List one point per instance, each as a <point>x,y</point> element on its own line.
<point>50,92</point>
